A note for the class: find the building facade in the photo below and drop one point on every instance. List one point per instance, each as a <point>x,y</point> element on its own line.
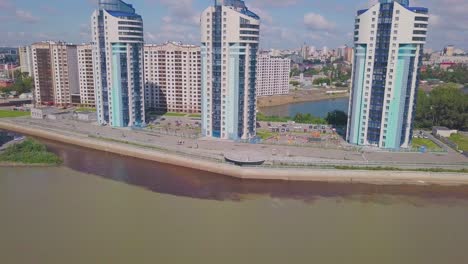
<point>230,38</point>
<point>43,81</point>
<point>65,69</point>
<point>172,78</point>
<point>117,39</point>
<point>55,73</point>
<point>25,57</point>
<point>272,75</point>
<point>86,75</point>
<point>389,39</point>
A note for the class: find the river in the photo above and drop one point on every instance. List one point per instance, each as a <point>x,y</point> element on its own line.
<point>318,108</point>
<point>104,208</point>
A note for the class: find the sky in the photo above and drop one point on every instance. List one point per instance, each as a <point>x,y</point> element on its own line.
<point>286,24</point>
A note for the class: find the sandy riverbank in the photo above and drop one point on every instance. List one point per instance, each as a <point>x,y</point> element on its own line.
<point>299,96</point>
<point>287,174</point>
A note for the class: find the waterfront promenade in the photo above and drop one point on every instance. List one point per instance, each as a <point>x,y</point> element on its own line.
<point>282,162</point>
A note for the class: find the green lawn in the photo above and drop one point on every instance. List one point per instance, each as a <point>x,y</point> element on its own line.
<point>265,134</point>
<point>175,114</point>
<point>29,152</point>
<point>9,113</point>
<point>430,145</point>
<point>85,109</point>
<point>460,140</point>
<point>195,115</point>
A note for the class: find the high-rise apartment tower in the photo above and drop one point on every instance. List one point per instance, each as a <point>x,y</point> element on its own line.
<point>230,38</point>
<point>389,39</point>
<point>55,71</point>
<point>117,39</point>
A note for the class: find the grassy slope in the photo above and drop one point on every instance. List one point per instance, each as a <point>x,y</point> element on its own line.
<point>85,109</point>
<point>174,114</point>
<point>29,152</point>
<point>460,140</point>
<point>419,142</point>
<point>9,113</point>
<point>265,134</point>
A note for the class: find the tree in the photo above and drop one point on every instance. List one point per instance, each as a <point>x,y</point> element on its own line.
<point>23,83</point>
<point>320,81</point>
<point>423,118</point>
<point>456,74</point>
<point>446,105</point>
<point>295,72</point>
<point>449,107</point>
<point>294,83</point>
<point>311,72</point>
<point>337,118</point>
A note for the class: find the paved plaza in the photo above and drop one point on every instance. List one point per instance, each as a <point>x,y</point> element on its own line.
<point>276,155</point>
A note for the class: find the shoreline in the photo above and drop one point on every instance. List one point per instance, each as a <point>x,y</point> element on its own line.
<point>19,165</point>
<point>296,98</point>
<point>253,173</point>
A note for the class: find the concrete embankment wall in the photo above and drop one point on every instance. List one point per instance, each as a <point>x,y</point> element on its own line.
<point>319,175</point>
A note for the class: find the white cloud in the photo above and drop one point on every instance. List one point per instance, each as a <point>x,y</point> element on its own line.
<point>276,3</point>
<point>265,17</point>
<point>315,21</point>
<point>26,16</point>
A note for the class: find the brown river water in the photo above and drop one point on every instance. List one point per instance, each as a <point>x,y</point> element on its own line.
<point>105,208</point>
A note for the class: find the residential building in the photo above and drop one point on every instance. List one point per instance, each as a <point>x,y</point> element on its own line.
<point>56,73</point>
<point>389,39</point>
<point>230,38</point>
<point>349,54</point>
<point>305,51</point>
<point>25,57</point>
<point>86,75</point>
<point>43,81</point>
<point>272,75</point>
<point>117,39</point>
<point>173,78</point>
<point>449,51</point>
<point>341,51</point>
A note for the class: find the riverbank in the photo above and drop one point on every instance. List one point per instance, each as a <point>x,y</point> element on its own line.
<point>258,173</point>
<point>299,96</point>
<point>24,165</point>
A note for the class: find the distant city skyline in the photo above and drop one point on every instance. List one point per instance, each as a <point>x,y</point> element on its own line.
<point>286,24</point>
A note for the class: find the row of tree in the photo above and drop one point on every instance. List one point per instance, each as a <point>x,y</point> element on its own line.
<point>446,105</point>
<point>456,74</point>
<point>23,84</point>
<point>335,118</point>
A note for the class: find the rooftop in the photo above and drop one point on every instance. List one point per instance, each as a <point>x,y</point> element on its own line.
<point>238,5</point>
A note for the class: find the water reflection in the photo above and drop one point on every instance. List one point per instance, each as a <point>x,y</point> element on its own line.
<point>179,181</point>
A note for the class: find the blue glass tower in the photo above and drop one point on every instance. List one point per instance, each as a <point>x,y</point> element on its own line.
<point>230,39</point>
<point>118,64</point>
<point>389,39</point>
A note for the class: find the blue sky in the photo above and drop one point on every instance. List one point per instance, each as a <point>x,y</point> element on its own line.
<point>285,23</point>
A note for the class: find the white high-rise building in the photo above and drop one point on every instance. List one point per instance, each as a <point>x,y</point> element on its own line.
<point>272,75</point>
<point>86,75</point>
<point>117,38</point>
<point>173,78</point>
<point>25,57</point>
<point>230,38</point>
<point>55,73</point>
<point>389,39</point>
